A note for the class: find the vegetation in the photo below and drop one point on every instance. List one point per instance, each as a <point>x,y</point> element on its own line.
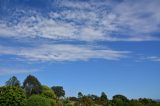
<point>12,96</point>
<point>48,92</point>
<point>37,100</point>
<point>13,81</point>
<point>32,93</point>
<point>32,85</point>
<point>58,91</point>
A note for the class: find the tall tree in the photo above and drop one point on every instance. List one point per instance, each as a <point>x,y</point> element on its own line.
<point>59,91</point>
<point>80,95</point>
<point>104,99</point>
<point>13,81</point>
<point>32,85</point>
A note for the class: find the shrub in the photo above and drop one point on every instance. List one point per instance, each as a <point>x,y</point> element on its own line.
<point>120,100</point>
<point>37,100</point>
<point>12,96</point>
<point>48,92</point>
<point>67,103</point>
<point>52,102</point>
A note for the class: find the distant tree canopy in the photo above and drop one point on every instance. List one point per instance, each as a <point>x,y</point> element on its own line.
<point>32,85</point>
<point>13,81</point>
<point>34,94</point>
<point>85,101</point>
<point>120,100</point>
<point>80,95</point>
<point>104,99</point>
<point>59,91</point>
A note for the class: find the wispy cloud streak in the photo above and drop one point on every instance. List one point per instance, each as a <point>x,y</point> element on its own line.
<point>6,71</point>
<point>153,58</point>
<point>61,52</point>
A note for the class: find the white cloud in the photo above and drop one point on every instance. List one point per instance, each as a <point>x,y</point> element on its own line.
<point>6,71</point>
<point>153,58</point>
<point>62,52</point>
<point>89,21</point>
<point>48,28</point>
<point>139,16</point>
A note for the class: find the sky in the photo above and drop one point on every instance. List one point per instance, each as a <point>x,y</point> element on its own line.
<point>83,45</point>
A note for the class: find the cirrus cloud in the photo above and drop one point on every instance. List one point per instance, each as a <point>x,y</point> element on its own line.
<point>61,52</point>
<point>86,21</point>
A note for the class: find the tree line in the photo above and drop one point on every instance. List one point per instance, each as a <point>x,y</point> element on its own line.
<point>33,93</point>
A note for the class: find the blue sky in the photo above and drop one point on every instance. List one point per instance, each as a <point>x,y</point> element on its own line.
<point>83,45</point>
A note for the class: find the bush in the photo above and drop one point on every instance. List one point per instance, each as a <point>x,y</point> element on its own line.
<point>48,92</point>
<point>36,100</point>
<point>67,103</point>
<point>85,101</point>
<point>120,100</point>
<point>52,102</point>
<point>12,96</point>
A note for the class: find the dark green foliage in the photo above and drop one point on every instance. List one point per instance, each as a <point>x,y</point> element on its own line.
<point>36,100</point>
<point>12,96</point>
<point>100,101</point>
<point>135,103</point>
<point>104,99</point>
<point>32,85</point>
<point>73,99</point>
<point>13,81</point>
<point>120,100</point>
<point>143,102</point>
<point>148,102</point>
<point>85,101</point>
<point>58,90</point>
<point>80,95</point>
<point>67,103</point>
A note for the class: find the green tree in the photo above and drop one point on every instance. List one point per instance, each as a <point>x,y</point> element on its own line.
<point>95,98</point>
<point>59,91</point>
<point>85,101</point>
<point>37,100</point>
<point>120,100</point>
<point>135,103</point>
<point>12,96</point>
<point>80,95</point>
<point>48,92</point>
<point>13,81</point>
<point>32,85</point>
<point>104,99</point>
<point>147,102</point>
